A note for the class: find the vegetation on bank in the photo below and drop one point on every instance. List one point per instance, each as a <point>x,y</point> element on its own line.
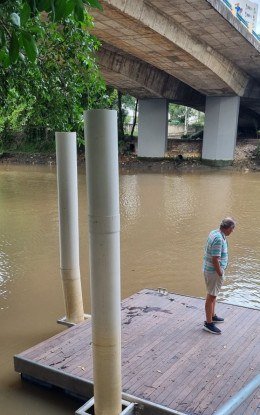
<point>49,74</point>
<point>46,82</point>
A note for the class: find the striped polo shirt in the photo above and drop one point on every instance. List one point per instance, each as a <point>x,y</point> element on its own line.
<point>216,245</point>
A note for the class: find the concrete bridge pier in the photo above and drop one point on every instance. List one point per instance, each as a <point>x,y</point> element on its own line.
<point>152,127</point>
<point>220,130</point>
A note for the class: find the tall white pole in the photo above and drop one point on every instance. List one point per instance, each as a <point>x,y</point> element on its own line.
<point>66,155</point>
<point>104,233</point>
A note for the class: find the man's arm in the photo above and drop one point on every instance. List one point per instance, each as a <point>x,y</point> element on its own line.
<point>215,261</point>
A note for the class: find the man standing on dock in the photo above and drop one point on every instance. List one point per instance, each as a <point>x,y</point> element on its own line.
<point>214,265</point>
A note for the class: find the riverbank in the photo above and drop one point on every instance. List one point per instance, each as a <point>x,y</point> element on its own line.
<point>181,155</point>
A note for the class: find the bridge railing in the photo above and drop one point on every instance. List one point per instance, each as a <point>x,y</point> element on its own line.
<point>240,18</point>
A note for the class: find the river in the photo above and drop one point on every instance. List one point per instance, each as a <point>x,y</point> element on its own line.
<point>165,219</point>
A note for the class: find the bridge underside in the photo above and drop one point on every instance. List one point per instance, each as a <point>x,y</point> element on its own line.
<point>143,81</point>
<point>190,41</point>
<point>194,53</point>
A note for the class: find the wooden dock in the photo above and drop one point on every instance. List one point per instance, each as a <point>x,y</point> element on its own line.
<point>166,356</point>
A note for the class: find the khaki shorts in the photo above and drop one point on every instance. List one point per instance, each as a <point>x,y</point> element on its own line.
<point>213,282</point>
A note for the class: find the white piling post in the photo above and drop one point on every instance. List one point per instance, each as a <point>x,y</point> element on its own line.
<point>104,233</point>
<point>66,156</point>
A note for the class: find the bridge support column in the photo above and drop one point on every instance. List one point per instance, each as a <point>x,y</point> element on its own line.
<point>220,130</point>
<point>152,127</point>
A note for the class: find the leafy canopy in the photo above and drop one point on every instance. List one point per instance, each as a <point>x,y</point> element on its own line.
<point>21,24</point>
<point>48,72</point>
<point>52,92</point>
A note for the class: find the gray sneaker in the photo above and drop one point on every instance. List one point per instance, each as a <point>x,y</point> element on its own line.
<point>211,328</point>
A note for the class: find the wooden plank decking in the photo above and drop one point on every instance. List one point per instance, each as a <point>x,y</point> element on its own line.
<point>166,356</point>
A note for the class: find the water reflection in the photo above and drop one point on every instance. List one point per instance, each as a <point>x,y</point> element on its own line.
<point>5,275</point>
<point>165,220</point>
<point>129,197</point>
<point>179,199</point>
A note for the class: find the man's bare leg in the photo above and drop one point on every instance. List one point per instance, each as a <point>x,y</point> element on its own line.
<point>214,305</point>
<point>210,307</point>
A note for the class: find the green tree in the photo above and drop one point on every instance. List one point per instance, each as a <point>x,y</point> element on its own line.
<point>177,114</point>
<point>54,91</point>
<point>129,101</point>
<point>122,104</point>
<point>21,23</point>
<point>51,92</point>
<point>121,116</point>
<point>134,120</point>
<point>180,114</point>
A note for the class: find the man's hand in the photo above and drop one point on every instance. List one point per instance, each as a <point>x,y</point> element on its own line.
<point>216,263</point>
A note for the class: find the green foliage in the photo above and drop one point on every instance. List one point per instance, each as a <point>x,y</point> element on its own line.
<point>50,94</point>
<point>122,105</point>
<point>178,113</point>
<point>48,73</point>
<point>11,120</point>
<point>21,24</point>
<point>128,102</point>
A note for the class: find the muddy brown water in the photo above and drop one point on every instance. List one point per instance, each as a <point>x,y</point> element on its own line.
<point>165,219</point>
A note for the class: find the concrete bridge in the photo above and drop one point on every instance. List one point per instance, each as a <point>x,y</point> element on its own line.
<point>190,52</point>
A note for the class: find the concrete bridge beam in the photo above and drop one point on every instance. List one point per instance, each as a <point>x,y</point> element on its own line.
<point>164,43</point>
<point>139,79</point>
<point>154,47</point>
<point>220,130</point>
<point>152,128</point>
